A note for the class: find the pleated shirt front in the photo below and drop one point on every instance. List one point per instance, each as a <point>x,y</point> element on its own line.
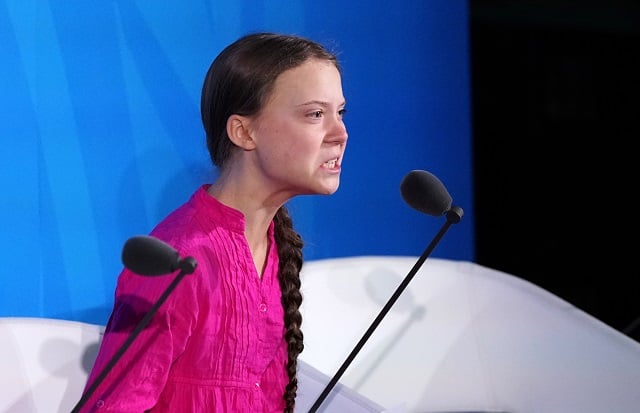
<point>217,343</point>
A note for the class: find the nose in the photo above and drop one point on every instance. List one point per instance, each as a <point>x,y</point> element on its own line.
<point>337,131</point>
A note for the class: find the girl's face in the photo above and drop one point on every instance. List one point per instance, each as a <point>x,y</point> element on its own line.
<point>299,134</point>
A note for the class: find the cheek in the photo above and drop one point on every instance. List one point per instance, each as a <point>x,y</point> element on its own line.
<point>291,153</point>
<point>287,144</point>
<point>290,144</point>
<point>278,147</point>
<point>301,149</point>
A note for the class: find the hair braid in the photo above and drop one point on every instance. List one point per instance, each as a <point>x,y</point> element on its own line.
<point>290,256</point>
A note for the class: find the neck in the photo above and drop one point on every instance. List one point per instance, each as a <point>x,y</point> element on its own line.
<point>257,215</point>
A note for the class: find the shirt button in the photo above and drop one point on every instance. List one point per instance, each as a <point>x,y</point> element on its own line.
<point>262,307</point>
<point>257,384</point>
<point>100,404</point>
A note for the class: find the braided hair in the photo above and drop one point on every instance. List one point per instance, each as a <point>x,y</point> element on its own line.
<point>290,254</point>
<point>239,81</point>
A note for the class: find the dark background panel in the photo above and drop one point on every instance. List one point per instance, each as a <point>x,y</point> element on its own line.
<point>556,120</point>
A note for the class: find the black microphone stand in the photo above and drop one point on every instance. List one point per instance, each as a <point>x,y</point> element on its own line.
<point>187,266</point>
<point>454,215</point>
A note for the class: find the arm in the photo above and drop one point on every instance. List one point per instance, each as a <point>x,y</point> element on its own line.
<point>138,377</point>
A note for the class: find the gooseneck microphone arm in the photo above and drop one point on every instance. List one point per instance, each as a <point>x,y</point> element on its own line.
<point>454,215</point>
<point>423,192</point>
<point>147,256</point>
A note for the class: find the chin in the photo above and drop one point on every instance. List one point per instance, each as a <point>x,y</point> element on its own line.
<point>324,187</point>
<point>330,191</point>
<point>321,191</point>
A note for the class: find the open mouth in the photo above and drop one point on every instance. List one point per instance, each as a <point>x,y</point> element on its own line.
<point>331,164</point>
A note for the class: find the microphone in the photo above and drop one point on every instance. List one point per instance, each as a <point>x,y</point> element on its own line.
<point>147,256</point>
<point>425,193</point>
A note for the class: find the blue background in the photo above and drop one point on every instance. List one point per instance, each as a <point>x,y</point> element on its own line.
<point>101,132</point>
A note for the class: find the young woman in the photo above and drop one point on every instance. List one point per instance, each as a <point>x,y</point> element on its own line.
<point>227,339</point>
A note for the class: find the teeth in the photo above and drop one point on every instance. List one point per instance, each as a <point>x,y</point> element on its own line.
<point>331,164</point>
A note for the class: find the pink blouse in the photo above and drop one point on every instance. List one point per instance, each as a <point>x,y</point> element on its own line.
<point>217,343</point>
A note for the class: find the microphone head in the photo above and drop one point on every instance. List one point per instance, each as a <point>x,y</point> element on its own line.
<point>147,255</point>
<point>424,192</point>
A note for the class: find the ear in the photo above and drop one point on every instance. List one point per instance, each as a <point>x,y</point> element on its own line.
<point>239,132</point>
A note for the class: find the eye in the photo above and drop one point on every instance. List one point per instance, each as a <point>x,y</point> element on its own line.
<point>316,114</point>
<point>341,112</point>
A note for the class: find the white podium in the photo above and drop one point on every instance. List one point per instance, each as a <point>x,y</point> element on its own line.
<point>463,338</point>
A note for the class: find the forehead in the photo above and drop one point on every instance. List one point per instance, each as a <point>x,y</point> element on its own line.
<point>313,80</point>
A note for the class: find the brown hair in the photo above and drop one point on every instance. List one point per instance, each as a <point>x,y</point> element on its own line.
<point>239,81</point>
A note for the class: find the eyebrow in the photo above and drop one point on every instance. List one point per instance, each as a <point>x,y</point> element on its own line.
<point>319,102</point>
